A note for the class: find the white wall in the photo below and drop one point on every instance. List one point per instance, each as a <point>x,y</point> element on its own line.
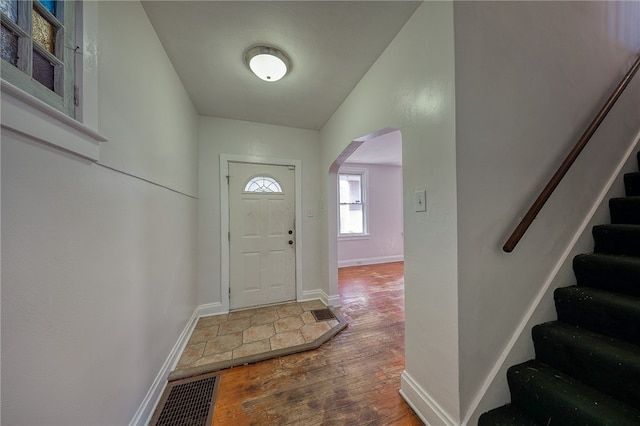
<point>411,88</point>
<point>154,136</point>
<point>98,275</point>
<point>529,78</point>
<point>384,240</point>
<point>223,136</point>
<point>98,278</point>
<point>495,391</point>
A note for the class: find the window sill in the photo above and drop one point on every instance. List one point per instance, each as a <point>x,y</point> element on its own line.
<point>29,116</point>
<point>345,237</point>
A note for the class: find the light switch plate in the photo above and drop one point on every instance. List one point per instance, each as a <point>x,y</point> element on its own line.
<point>420,200</point>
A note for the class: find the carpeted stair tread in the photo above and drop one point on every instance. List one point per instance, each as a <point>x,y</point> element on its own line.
<point>610,272</point>
<point>625,210</point>
<point>507,415</point>
<point>554,398</point>
<point>600,361</point>
<point>632,184</point>
<point>617,239</point>
<point>587,366</point>
<point>603,312</point>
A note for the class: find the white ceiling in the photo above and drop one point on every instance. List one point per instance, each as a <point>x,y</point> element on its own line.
<point>385,150</point>
<point>331,44</point>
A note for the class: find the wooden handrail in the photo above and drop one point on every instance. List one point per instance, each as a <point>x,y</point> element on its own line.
<point>568,162</point>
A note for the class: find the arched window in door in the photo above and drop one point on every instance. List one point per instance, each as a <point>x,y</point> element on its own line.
<point>262,184</point>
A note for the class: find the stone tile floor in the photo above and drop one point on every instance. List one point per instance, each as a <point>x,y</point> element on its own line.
<point>244,333</point>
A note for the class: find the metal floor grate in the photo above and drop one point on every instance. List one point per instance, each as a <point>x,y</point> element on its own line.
<point>188,402</point>
<point>323,314</point>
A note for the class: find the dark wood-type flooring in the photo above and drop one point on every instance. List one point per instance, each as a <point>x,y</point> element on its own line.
<point>351,380</point>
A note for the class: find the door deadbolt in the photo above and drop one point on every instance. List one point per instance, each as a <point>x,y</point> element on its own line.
<point>290,232</point>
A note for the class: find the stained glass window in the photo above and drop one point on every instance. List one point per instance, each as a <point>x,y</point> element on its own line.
<point>9,46</point>
<point>10,9</point>
<point>50,6</point>
<point>43,70</point>
<point>262,184</point>
<point>43,31</point>
<point>39,45</point>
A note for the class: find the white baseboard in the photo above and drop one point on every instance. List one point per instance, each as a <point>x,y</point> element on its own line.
<point>333,300</point>
<point>370,260</point>
<point>422,404</point>
<point>314,295</point>
<point>146,409</point>
<point>210,309</point>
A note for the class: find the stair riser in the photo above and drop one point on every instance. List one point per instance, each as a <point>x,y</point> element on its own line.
<point>632,184</point>
<point>611,240</point>
<point>612,317</point>
<point>625,210</point>
<point>587,367</point>
<point>548,397</point>
<point>602,363</point>
<point>507,415</point>
<point>617,274</point>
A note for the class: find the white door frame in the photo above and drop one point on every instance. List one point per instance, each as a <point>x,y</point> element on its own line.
<point>224,217</point>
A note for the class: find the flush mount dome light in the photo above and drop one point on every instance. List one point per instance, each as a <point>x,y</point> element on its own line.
<point>268,63</point>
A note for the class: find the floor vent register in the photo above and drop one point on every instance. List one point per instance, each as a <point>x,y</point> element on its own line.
<point>188,401</point>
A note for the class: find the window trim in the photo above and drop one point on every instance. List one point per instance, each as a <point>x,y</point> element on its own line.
<point>263,176</point>
<point>28,116</point>
<point>62,96</point>
<point>364,184</point>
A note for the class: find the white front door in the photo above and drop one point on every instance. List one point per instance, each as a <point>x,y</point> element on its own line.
<point>262,267</point>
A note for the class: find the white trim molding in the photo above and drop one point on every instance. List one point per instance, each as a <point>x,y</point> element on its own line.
<point>525,324</point>
<point>370,260</point>
<point>422,404</point>
<point>224,217</point>
<point>146,409</point>
<point>363,171</point>
<point>150,401</point>
<point>334,300</point>
<point>314,295</point>
<point>211,309</point>
<point>28,116</point>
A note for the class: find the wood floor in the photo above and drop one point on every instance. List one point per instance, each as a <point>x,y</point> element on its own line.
<point>351,380</point>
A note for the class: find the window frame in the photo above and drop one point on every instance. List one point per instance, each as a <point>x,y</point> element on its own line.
<point>362,172</point>
<point>264,177</point>
<point>27,116</point>
<point>64,95</point>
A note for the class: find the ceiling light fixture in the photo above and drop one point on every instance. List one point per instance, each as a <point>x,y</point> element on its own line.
<point>268,63</point>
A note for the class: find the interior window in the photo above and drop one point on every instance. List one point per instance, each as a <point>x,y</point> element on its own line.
<point>38,49</point>
<point>351,199</point>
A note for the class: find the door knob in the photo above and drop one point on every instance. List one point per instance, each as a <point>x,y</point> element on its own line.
<point>290,241</point>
